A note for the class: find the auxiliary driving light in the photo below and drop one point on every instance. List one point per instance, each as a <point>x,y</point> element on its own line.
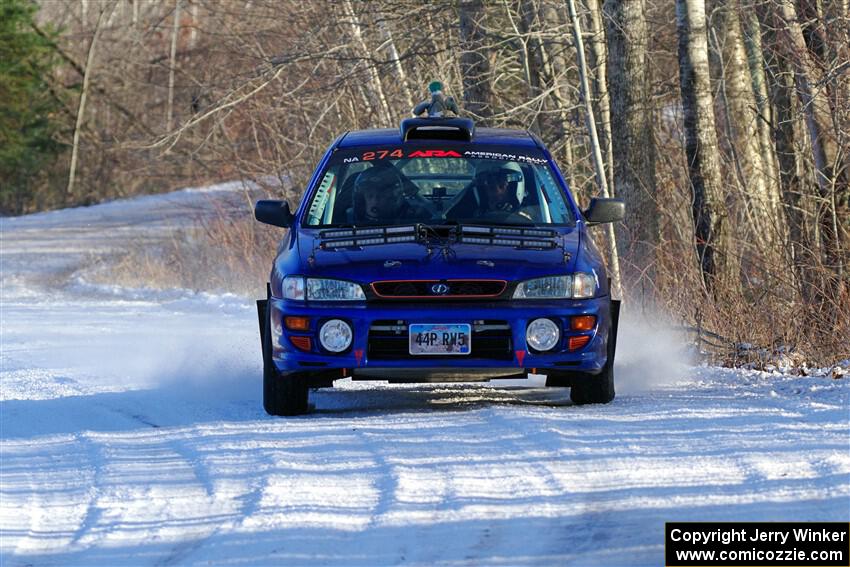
<point>542,334</point>
<point>297,323</point>
<point>335,335</point>
<point>582,322</point>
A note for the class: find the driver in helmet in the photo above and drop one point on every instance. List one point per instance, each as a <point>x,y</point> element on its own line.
<point>494,192</point>
<point>379,198</point>
<point>497,192</point>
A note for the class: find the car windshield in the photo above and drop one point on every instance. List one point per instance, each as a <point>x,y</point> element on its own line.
<point>394,186</point>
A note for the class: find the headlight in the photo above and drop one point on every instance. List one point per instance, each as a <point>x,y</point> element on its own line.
<point>545,288</point>
<point>319,289</point>
<point>576,286</point>
<point>333,290</point>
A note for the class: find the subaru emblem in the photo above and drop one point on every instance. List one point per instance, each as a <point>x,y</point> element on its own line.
<point>439,289</point>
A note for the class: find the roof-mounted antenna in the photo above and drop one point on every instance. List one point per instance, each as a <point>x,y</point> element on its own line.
<point>438,104</point>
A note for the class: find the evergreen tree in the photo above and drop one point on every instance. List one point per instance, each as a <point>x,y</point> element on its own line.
<point>27,108</point>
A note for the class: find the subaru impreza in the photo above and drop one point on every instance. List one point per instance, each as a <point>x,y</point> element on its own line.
<point>436,252</point>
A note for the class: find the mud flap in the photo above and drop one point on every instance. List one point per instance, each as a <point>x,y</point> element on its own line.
<point>612,332</point>
<point>262,305</point>
<point>261,313</point>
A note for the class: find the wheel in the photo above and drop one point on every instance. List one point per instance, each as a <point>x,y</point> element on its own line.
<point>599,389</point>
<point>282,394</point>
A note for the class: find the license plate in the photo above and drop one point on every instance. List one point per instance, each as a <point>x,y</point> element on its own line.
<point>428,338</point>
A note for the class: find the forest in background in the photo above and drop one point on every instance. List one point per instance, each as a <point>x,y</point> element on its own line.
<point>723,124</point>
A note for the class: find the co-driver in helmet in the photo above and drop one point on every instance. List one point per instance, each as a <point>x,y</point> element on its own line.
<point>379,198</point>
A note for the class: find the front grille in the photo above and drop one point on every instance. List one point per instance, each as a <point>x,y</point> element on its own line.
<point>437,289</point>
<point>491,340</point>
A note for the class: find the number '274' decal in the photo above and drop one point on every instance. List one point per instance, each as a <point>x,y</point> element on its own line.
<point>398,154</point>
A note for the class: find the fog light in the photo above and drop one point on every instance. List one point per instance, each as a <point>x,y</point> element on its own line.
<point>575,343</point>
<point>542,334</point>
<point>335,335</point>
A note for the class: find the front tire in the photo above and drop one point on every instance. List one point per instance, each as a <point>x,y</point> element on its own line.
<point>599,389</point>
<point>283,394</point>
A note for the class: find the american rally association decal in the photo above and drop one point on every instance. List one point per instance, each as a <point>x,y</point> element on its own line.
<point>476,154</point>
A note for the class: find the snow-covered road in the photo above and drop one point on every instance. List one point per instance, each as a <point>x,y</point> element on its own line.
<point>133,433</point>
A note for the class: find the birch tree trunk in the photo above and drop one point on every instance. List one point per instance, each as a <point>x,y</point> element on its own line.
<point>195,23</point>
<point>556,67</point>
<point>761,197</point>
<point>377,89</point>
<point>599,56</point>
<point>528,25</point>
<point>633,140</point>
<point>81,109</point>
<point>547,80</point>
<point>614,264</point>
<point>713,238</point>
<point>831,177</point>
<point>175,30</point>
<point>791,180</point>
<point>756,59</point>
<point>399,68</point>
<point>474,63</point>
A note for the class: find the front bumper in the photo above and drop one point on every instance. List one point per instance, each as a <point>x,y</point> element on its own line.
<point>510,351</point>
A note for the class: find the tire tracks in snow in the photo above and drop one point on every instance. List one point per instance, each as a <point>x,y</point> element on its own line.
<point>202,472</point>
<point>527,439</point>
<point>168,443</point>
<point>93,511</point>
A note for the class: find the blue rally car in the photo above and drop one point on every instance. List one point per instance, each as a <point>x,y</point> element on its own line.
<point>436,252</point>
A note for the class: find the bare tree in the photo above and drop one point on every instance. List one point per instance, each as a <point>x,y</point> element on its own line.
<point>602,103</point>
<point>81,109</point>
<point>632,134</point>
<point>474,61</point>
<point>556,69</point>
<point>709,210</point>
<point>792,179</point>
<point>826,147</point>
<point>614,261</point>
<point>175,30</point>
<point>758,195</point>
<point>376,88</point>
<point>389,42</point>
<point>756,62</point>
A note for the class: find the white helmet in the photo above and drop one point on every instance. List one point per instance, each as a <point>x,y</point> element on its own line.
<point>509,169</point>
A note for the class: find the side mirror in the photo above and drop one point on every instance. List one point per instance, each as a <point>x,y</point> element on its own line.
<point>605,210</point>
<point>275,213</point>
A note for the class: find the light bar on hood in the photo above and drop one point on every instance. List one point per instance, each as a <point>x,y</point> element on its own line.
<point>353,237</point>
<point>509,236</point>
